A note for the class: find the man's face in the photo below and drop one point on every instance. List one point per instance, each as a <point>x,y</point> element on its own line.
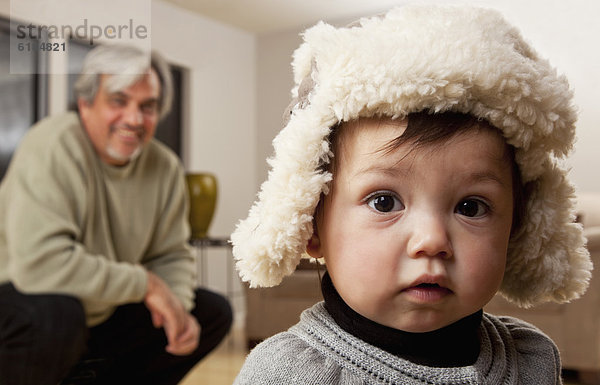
<point>416,239</point>
<point>120,123</point>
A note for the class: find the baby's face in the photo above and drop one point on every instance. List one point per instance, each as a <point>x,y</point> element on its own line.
<point>416,239</point>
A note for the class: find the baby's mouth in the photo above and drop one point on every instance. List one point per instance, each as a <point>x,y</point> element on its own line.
<point>430,287</point>
<point>427,292</point>
<point>426,285</point>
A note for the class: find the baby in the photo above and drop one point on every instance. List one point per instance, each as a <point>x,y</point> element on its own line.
<point>421,161</point>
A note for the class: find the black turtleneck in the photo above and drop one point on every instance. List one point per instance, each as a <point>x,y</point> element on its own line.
<point>451,346</point>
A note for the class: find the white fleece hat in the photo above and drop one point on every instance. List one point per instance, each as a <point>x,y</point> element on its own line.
<point>437,59</point>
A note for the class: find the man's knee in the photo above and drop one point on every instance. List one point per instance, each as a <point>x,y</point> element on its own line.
<point>43,333</point>
<point>213,310</point>
<point>215,316</point>
<point>45,316</point>
<point>65,324</point>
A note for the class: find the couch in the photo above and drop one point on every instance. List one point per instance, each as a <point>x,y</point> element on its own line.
<point>274,309</point>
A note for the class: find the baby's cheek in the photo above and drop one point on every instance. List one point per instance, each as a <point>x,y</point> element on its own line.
<point>486,274</point>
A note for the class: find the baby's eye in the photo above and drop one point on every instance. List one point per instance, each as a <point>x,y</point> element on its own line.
<point>385,203</point>
<point>472,208</point>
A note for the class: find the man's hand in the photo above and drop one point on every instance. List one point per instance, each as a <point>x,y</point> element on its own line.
<point>181,328</point>
<point>187,341</point>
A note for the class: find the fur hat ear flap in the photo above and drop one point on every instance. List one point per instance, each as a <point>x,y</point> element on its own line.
<point>547,258</point>
<point>425,58</point>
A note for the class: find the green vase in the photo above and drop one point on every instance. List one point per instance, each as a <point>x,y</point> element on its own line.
<point>202,191</point>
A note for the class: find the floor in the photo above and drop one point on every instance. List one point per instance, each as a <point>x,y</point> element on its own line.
<point>222,366</point>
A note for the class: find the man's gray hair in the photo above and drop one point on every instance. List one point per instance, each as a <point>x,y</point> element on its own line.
<point>125,65</point>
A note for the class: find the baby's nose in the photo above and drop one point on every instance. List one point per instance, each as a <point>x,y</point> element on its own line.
<point>429,238</point>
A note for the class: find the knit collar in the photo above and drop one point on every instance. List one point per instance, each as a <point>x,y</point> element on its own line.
<point>451,346</point>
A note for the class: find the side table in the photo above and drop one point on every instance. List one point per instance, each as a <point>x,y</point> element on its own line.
<point>201,245</point>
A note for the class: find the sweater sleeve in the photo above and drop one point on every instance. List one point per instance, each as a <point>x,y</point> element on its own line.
<point>169,255</point>
<point>48,194</point>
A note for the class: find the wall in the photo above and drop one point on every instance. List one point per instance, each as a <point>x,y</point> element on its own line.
<point>220,116</point>
<point>274,80</point>
<point>564,32</point>
<point>221,132</point>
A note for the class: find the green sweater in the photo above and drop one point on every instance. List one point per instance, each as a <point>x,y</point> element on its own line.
<point>72,224</point>
<point>316,351</point>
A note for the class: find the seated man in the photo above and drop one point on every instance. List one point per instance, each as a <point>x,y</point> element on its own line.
<point>96,277</point>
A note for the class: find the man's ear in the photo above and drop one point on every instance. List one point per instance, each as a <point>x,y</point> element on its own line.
<point>313,246</point>
<point>82,106</point>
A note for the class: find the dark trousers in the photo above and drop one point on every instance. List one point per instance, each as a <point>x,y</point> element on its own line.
<point>44,340</point>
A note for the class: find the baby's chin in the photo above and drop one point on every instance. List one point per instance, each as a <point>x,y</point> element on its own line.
<point>415,322</point>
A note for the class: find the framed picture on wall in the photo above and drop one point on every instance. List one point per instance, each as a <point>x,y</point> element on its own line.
<point>23,97</point>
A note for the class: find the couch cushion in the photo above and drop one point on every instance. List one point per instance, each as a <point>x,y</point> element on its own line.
<point>588,209</point>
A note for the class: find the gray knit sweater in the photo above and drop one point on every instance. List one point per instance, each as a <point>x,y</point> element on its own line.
<point>317,351</point>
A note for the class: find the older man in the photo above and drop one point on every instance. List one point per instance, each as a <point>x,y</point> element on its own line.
<point>96,277</point>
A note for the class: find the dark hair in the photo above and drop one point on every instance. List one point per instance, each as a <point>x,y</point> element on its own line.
<point>425,129</point>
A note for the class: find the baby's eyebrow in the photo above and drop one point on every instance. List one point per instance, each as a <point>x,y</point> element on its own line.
<point>379,169</point>
<point>484,177</point>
